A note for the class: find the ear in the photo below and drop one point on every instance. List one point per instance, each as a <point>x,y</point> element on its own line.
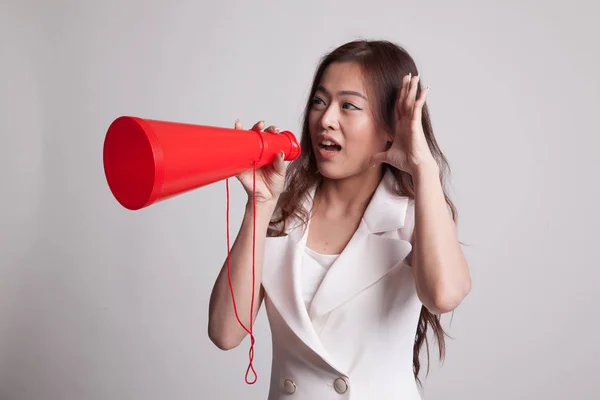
<point>389,139</point>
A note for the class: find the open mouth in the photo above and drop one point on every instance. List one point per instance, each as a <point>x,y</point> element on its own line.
<point>330,146</point>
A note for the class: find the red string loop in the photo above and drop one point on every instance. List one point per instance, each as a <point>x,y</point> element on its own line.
<point>248,330</point>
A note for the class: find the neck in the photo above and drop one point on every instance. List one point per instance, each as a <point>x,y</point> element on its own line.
<point>348,196</point>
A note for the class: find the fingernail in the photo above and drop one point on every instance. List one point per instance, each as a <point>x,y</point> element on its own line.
<point>410,75</point>
<point>281,155</point>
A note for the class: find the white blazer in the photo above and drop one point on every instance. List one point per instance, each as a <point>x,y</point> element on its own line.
<point>356,341</point>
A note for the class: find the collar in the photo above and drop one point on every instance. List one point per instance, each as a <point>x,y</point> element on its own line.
<point>385,212</point>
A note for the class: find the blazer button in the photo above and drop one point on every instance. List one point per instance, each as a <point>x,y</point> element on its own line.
<point>340,385</point>
<point>289,386</point>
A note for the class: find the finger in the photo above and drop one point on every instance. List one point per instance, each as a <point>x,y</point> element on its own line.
<point>279,164</point>
<point>410,97</point>
<point>238,124</point>
<point>402,93</point>
<point>272,129</point>
<point>418,111</point>
<point>405,85</point>
<point>258,126</point>
<point>378,159</point>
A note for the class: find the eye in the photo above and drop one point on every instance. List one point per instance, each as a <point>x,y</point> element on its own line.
<point>317,100</point>
<point>353,107</point>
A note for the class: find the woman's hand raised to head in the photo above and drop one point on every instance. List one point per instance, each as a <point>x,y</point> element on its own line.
<point>409,149</point>
<point>270,179</point>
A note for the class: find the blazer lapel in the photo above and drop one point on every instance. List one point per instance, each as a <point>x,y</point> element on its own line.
<point>282,283</point>
<point>369,256</point>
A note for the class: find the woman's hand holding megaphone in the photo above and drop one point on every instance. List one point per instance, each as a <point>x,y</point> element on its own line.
<point>270,179</point>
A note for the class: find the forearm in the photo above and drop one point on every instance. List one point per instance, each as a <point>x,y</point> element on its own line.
<point>224,328</point>
<point>440,268</point>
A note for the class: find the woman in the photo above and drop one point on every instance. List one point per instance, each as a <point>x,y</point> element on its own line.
<point>359,254</point>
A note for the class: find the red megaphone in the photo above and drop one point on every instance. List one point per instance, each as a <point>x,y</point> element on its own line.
<point>146,161</point>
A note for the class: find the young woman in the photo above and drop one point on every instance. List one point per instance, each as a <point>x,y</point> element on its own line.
<point>356,249</point>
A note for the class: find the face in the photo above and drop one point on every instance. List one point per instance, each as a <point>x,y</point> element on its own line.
<point>342,128</point>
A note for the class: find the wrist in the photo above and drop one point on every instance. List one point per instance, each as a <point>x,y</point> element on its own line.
<point>262,207</point>
<point>263,213</point>
<point>425,171</point>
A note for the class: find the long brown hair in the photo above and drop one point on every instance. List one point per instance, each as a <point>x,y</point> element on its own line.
<point>383,64</point>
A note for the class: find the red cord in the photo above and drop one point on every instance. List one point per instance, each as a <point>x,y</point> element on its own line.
<point>250,331</point>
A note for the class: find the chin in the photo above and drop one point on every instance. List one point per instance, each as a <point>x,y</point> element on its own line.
<point>332,174</point>
<point>335,171</point>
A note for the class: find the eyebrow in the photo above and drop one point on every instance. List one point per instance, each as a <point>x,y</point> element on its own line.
<point>320,88</point>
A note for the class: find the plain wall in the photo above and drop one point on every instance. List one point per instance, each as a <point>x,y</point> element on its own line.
<point>98,302</point>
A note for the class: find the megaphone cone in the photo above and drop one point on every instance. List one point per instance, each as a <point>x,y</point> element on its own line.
<point>146,161</point>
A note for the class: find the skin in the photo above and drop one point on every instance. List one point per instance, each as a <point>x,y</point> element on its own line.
<point>342,110</point>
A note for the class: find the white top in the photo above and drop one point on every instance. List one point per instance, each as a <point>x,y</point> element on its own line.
<point>314,267</point>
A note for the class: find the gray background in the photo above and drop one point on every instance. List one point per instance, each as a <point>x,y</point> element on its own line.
<point>97,302</point>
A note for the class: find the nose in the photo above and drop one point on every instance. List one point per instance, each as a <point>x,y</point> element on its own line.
<point>329,119</point>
